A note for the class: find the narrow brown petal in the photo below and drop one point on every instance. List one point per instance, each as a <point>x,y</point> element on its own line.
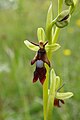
<point>62,101</point>
<point>34,43</point>
<point>34,59</point>
<point>45,43</point>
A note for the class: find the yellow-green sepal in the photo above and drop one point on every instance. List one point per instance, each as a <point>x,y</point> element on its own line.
<point>64,96</point>
<point>41,35</point>
<point>52,47</point>
<point>31,46</point>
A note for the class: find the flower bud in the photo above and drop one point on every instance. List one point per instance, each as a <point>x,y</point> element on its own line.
<point>69,2</point>
<point>72,7</point>
<point>63,19</point>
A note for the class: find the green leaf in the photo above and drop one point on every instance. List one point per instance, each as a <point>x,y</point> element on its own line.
<point>64,95</point>
<point>48,24</point>
<point>41,34</point>
<point>52,47</point>
<point>31,46</point>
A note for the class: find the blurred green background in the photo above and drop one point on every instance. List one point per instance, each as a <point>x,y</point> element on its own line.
<point>20,99</point>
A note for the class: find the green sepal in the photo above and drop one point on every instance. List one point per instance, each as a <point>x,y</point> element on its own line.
<point>64,96</point>
<point>52,47</point>
<point>31,46</point>
<point>41,34</point>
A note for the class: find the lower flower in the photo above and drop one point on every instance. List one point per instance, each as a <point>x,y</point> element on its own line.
<point>57,102</point>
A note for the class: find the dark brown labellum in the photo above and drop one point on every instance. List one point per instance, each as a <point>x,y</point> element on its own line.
<point>57,102</point>
<point>41,74</point>
<point>40,58</point>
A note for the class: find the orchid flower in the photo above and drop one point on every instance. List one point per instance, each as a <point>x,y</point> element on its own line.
<point>41,57</point>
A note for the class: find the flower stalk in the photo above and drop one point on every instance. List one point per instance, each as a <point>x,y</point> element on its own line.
<point>57,30</point>
<point>47,45</point>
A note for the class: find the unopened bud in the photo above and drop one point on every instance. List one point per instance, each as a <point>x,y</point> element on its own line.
<point>63,19</point>
<point>69,2</point>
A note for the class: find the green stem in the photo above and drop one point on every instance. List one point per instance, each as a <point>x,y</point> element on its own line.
<point>45,93</point>
<point>49,38</point>
<point>51,95</point>
<point>57,30</point>
<point>45,89</point>
<point>53,83</point>
<point>60,3</point>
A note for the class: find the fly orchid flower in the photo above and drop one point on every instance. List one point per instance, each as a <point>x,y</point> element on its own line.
<point>56,96</point>
<point>40,58</point>
<point>57,102</point>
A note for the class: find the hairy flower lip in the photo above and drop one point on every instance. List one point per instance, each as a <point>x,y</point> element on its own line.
<point>40,73</point>
<point>57,102</point>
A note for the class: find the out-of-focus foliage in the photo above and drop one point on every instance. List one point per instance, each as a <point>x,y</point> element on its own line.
<point>20,99</point>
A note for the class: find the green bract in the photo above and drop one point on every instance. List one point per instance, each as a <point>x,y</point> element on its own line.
<point>55,87</point>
